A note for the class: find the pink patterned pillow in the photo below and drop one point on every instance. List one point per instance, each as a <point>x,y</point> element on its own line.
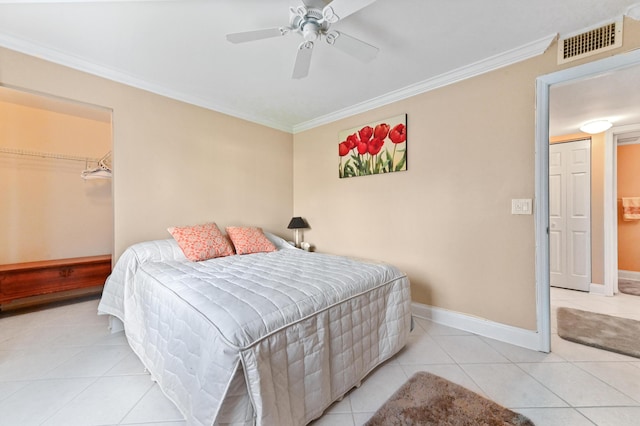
<point>249,240</point>
<point>201,242</point>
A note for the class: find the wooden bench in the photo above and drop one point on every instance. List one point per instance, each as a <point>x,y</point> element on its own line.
<point>31,283</point>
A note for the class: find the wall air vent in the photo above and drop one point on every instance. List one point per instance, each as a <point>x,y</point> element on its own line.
<point>591,42</point>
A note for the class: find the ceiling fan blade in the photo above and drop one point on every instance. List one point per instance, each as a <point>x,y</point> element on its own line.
<point>303,60</point>
<point>352,46</point>
<point>257,34</point>
<point>340,9</point>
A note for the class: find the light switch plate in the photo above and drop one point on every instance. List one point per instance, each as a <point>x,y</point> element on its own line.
<point>521,206</point>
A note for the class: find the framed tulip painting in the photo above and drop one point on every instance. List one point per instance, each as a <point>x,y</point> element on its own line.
<point>374,148</point>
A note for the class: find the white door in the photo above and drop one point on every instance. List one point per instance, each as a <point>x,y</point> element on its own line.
<point>570,214</point>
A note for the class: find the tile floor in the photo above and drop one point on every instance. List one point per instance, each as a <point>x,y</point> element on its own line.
<point>60,366</point>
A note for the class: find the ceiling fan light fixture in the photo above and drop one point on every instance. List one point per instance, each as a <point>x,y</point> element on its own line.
<point>310,31</point>
<point>596,126</point>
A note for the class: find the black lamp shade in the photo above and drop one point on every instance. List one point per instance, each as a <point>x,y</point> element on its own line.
<point>297,223</point>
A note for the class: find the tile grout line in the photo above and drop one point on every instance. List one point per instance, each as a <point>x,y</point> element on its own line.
<point>72,399</point>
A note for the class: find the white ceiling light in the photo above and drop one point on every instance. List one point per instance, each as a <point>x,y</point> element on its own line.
<point>597,126</point>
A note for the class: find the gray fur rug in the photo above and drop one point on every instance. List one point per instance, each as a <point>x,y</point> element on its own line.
<point>427,399</point>
<point>629,287</point>
<point>615,334</point>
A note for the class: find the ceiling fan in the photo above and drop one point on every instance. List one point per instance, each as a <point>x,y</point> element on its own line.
<point>313,21</point>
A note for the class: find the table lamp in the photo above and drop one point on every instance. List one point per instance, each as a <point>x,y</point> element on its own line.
<point>297,223</point>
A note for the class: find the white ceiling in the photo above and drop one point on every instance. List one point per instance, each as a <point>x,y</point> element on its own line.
<point>178,48</point>
<point>613,96</point>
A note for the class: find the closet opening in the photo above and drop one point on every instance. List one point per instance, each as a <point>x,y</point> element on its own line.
<point>56,214</point>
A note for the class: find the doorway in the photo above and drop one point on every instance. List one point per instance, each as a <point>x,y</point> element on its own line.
<point>611,204</point>
<point>543,85</point>
<point>627,145</point>
<point>52,209</point>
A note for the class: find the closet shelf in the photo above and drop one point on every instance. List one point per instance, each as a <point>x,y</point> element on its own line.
<point>48,155</point>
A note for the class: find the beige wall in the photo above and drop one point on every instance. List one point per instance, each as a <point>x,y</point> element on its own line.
<point>597,208</point>
<point>174,163</point>
<point>446,221</point>
<point>47,210</point>
<point>597,200</point>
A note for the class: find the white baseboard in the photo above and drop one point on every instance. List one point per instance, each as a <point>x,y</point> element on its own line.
<point>596,289</point>
<point>529,339</point>
<point>629,275</point>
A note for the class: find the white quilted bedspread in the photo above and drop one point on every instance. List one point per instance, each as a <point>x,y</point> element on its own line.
<point>302,328</point>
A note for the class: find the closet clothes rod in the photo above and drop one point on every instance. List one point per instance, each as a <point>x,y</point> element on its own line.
<point>48,155</point>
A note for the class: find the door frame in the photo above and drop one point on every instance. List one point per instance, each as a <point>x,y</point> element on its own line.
<point>611,206</point>
<point>541,216</point>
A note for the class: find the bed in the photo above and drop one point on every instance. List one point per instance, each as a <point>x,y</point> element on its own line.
<point>259,339</point>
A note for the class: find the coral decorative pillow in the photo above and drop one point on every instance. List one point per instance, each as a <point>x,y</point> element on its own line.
<point>248,240</point>
<point>201,242</point>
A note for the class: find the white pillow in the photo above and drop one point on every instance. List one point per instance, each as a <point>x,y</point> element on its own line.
<point>277,241</point>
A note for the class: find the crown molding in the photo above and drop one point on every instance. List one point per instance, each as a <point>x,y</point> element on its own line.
<point>492,63</point>
<point>633,11</point>
<point>501,60</point>
<point>80,64</point>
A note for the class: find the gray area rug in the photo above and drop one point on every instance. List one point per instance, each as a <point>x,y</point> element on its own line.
<point>629,287</point>
<point>427,399</point>
<point>621,335</point>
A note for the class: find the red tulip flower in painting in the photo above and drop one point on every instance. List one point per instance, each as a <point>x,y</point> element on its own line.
<point>398,134</point>
<point>367,149</point>
<point>343,149</point>
<point>363,148</point>
<point>381,131</point>
<point>365,134</point>
<point>375,145</point>
<point>352,140</point>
